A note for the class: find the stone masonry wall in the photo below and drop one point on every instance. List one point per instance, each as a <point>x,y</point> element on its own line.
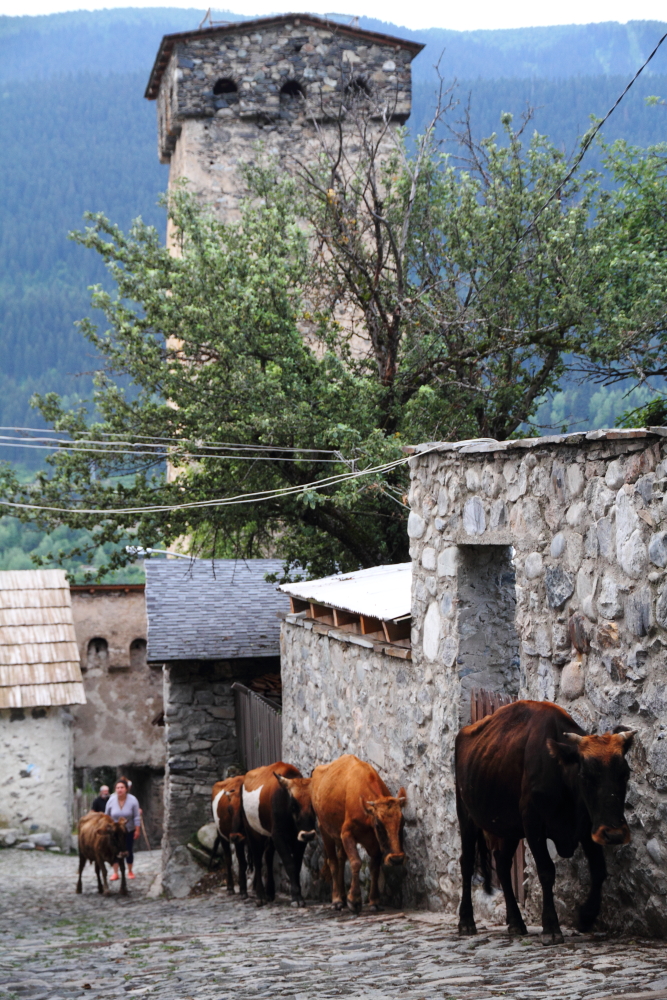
<point>36,771</point>
<point>200,735</point>
<point>587,517</point>
<point>207,137</point>
<point>340,696</point>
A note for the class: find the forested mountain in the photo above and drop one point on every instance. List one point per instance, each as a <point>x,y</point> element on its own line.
<point>77,134</point>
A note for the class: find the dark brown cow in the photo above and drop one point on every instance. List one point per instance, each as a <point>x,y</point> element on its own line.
<point>278,815</point>
<point>530,771</point>
<point>353,806</point>
<point>102,840</point>
<point>228,819</point>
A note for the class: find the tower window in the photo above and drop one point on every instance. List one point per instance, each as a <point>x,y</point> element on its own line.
<point>358,87</point>
<point>97,653</point>
<point>225,85</point>
<point>292,89</point>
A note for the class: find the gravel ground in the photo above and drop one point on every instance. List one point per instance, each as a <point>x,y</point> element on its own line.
<point>54,944</point>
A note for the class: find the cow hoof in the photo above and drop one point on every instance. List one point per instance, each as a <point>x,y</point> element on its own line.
<point>230,890</point>
<point>467,928</point>
<point>376,908</point>
<point>297,904</point>
<point>549,938</point>
<point>338,905</point>
<point>517,930</point>
<point>354,906</point>
<point>260,902</point>
<point>243,895</point>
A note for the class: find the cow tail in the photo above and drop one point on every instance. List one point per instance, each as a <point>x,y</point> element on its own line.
<point>484,859</point>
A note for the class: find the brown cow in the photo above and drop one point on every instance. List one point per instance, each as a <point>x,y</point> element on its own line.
<point>278,815</point>
<point>530,771</point>
<point>102,840</point>
<point>353,806</point>
<point>228,819</point>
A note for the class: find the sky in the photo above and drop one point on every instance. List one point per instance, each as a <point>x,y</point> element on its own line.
<point>417,14</point>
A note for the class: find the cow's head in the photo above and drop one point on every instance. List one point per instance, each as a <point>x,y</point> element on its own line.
<point>602,774</point>
<point>300,806</point>
<point>386,813</point>
<point>117,837</point>
<point>232,797</point>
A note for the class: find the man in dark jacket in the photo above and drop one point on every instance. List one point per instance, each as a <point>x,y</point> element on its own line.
<point>100,803</point>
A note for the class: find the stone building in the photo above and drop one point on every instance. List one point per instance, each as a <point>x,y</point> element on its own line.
<point>40,682</point>
<point>121,726</point>
<point>539,568</point>
<point>277,80</point>
<point>210,623</point>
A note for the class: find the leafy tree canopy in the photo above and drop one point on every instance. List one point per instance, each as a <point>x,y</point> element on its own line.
<point>363,302</point>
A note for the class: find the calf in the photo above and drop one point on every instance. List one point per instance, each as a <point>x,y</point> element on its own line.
<point>102,840</point>
<point>530,771</point>
<point>353,806</point>
<point>278,815</point>
<point>228,819</point>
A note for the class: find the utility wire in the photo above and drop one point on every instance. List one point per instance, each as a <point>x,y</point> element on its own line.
<point>241,498</point>
<point>73,448</point>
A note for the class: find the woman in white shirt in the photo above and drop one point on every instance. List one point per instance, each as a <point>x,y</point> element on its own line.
<point>125,805</point>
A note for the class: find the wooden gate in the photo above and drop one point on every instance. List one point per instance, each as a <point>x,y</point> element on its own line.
<point>259,728</point>
<point>483,703</point>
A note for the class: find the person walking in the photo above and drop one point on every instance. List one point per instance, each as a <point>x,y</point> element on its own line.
<point>125,805</point>
<point>100,803</point>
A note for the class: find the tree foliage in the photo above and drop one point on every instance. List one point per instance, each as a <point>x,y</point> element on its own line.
<point>367,299</point>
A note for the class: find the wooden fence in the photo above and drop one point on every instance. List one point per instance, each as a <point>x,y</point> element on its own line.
<point>258,727</point>
<point>483,703</point>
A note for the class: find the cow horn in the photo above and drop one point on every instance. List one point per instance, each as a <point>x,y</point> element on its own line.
<point>627,733</point>
<point>573,738</point>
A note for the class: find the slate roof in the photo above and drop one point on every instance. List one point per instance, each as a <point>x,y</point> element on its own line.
<point>221,610</point>
<point>39,657</point>
<point>380,592</point>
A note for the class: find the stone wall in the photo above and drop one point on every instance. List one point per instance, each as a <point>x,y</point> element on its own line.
<point>117,727</point>
<point>206,136</point>
<point>341,696</point>
<point>586,515</point>
<point>36,771</point>
<point>200,734</point>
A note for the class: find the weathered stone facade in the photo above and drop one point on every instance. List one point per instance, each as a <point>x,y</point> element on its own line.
<point>586,515</point>
<point>275,80</point>
<point>200,732</point>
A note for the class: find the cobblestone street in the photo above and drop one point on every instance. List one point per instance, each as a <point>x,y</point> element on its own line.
<point>56,944</point>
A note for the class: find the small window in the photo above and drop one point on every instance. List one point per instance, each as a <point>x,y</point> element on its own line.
<point>137,654</point>
<point>358,87</point>
<point>98,653</point>
<point>292,89</point>
<point>225,85</point>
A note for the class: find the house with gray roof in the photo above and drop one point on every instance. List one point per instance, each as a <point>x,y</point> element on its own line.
<point>211,624</point>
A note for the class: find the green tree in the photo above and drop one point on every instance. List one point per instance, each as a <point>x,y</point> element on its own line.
<point>364,301</point>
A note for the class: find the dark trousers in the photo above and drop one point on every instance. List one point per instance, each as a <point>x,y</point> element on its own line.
<point>129,845</point>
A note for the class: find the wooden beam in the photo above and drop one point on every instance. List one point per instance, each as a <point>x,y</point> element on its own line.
<point>396,631</point>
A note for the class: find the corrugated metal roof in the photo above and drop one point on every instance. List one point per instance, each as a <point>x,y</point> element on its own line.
<point>383,592</point>
<point>39,656</point>
<point>221,610</point>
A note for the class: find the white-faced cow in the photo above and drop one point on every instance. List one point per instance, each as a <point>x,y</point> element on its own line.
<point>530,771</point>
<point>102,840</point>
<point>228,819</point>
<point>278,816</point>
<point>353,806</point>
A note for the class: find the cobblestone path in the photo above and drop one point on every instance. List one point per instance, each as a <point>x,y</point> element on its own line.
<point>54,944</point>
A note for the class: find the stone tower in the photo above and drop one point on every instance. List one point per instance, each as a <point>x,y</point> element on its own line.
<point>279,79</point>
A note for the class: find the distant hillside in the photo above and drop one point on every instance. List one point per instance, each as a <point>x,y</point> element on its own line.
<point>77,134</point>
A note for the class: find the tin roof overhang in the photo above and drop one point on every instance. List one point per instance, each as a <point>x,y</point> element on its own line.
<point>169,41</point>
<point>383,592</point>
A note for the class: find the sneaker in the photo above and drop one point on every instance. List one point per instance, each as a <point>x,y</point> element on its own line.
<point>113,877</point>
<point>131,875</point>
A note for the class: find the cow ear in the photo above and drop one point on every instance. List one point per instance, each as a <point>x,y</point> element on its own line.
<point>628,736</point>
<point>402,797</point>
<point>564,753</point>
<point>283,781</point>
<point>368,807</point>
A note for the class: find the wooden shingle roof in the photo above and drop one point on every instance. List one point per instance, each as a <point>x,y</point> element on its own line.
<point>39,656</point>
